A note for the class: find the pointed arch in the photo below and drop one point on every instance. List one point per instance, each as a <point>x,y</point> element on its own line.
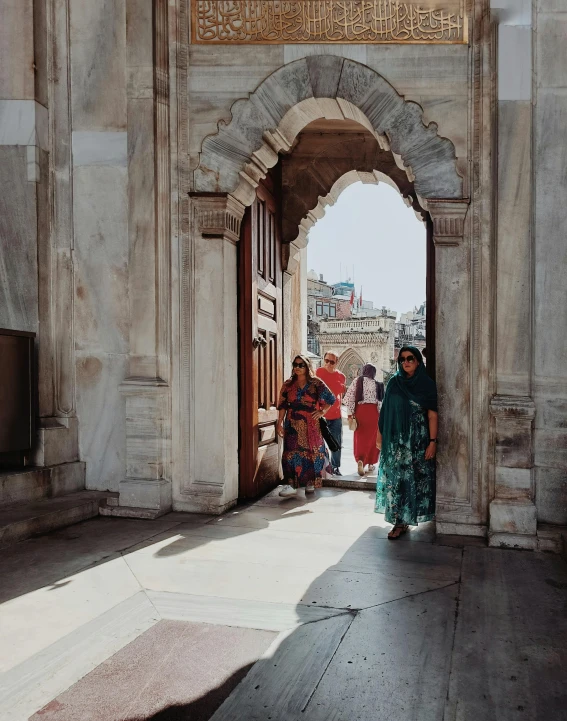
<point>348,362</point>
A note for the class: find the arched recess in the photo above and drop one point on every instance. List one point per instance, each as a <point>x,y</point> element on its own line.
<point>318,211</point>
<point>234,161</point>
<point>323,154</point>
<point>265,124</point>
<point>348,361</point>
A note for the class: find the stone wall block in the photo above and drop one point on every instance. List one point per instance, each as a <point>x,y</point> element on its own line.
<point>57,441</point>
<point>18,249</point>
<point>17,46</point>
<point>512,518</point>
<point>551,495</point>
<point>325,75</point>
<point>148,432</point>
<point>513,443</point>
<point>98,55</point>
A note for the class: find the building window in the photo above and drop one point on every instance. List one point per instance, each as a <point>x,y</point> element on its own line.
<point>327,309</point>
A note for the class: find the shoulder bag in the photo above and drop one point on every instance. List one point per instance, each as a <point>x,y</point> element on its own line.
<point>352,422</point>
<point>328,437</point>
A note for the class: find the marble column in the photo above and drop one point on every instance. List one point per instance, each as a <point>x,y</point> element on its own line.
<point>99,181</point>
<point>550,261</point>
<point>58,427</point>
<point>23,144</point>
<point>513,516</point>
<point>210,350</point>
<point>37,266</point>
<point>146,390</point>
<point>456,510</point>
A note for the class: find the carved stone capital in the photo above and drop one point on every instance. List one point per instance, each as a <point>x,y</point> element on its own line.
<point>219,216</point>
<point>513,407</point>
<point>448,218</point>
<point>291,257</point>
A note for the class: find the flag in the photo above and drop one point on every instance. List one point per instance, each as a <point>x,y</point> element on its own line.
<point>360,301</point>
<point>352,297</point>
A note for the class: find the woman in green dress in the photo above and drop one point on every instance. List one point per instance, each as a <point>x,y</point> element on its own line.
<point>407,439</point>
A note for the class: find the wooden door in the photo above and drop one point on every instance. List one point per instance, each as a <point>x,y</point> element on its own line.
<point>260,318</point>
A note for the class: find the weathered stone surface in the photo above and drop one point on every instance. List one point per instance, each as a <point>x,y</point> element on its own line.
<point>513,349</point>
<point>431,159</point>
<point>551,495</point>
<point>509,650</point>
<point>18,239</point>
<point>513,517</point>
<point>98,56</point>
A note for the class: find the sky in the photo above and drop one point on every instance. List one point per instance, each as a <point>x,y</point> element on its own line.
<point>371,228</point>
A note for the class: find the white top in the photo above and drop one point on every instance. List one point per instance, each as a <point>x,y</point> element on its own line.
<point>368,394</point>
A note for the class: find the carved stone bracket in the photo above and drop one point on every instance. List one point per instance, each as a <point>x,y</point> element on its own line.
<point>517,407</point>
<point>219,216</point>
<point>291,257</point>
<point>448,218</point>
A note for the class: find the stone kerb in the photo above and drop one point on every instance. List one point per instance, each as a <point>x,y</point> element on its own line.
<point>240,154</point>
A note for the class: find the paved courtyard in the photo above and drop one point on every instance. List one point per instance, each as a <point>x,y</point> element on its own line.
<point>282,610</point>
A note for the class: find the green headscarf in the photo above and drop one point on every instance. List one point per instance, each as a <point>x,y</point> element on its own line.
<point>395,414</point>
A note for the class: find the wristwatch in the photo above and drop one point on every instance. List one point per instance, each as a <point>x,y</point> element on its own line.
<point>433,440</point>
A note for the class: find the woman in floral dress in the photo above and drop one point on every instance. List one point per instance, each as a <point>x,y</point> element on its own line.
<point>304,399</point>
<point>407,439</point>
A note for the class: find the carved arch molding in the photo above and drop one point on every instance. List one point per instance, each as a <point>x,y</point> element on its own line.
<point>265,124</point>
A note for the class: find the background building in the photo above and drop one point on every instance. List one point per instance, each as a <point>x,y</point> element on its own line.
<point>338,323</point>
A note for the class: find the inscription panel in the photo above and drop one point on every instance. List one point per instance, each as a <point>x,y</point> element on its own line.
<point>328,21</point>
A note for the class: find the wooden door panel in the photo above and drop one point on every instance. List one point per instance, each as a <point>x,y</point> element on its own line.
<point>260,339</point>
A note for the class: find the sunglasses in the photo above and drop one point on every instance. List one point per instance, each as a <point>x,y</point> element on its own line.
<point>328,360</point>
<point>407,359</point>
<point>299,365</point>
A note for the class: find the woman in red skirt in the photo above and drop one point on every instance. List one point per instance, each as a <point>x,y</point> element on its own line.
<point>363,400</point>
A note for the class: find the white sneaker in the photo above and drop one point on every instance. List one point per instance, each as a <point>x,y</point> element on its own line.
<point>309,488</point>
<point>288,492</point>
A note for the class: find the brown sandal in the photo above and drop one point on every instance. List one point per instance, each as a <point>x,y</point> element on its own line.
<point>397,531</point>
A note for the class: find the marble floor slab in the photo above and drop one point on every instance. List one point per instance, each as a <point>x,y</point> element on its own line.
<point>43,561</point>
<point>510,650</point>
<point>280,685</point>
<point>309,518</point>
<point>28,685</point>
<point>394,662</point>
<point>185,668</point>
<point>365,625</point>
<point>34,621</point>
<point>236,612</point>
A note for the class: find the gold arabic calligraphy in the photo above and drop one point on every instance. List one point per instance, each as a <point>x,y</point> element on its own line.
<point>325,21</point>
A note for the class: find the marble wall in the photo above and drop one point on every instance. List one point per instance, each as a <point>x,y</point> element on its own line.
<point>23,132</point>
<point>96,283</point>
<point>550,248</point>
<point>435,77</point>
<point>100,219</point>
<point>18,242</point>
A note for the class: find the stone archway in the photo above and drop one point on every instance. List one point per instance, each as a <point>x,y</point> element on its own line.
<point>348,362</point>
<point>324,86</point>
<point>237,157</point>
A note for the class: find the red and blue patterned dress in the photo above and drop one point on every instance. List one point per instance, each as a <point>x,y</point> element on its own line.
<point>304,455</point>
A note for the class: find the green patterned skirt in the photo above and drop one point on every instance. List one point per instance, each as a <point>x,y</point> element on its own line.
<point>405,489</point>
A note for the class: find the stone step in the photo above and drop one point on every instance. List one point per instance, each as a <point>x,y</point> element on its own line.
<point>552,538</point>
<point>35,484</point>
<point>24,520</point>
